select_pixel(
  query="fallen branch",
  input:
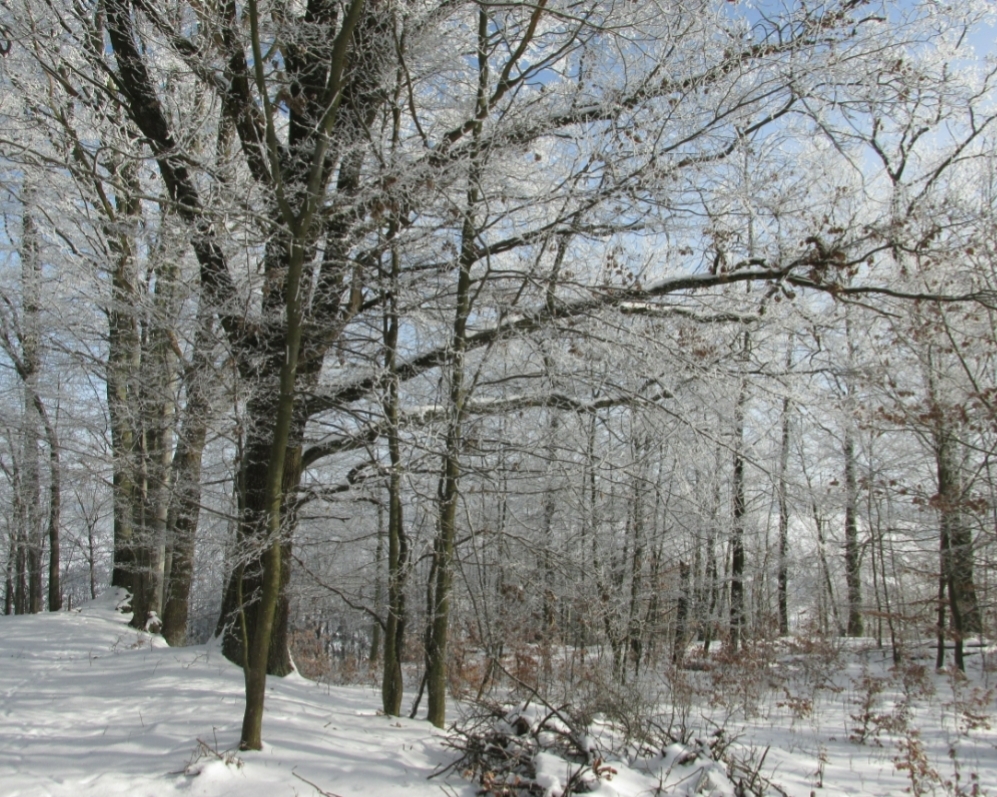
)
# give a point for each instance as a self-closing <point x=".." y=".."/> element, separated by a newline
<point x="319" y="790"/>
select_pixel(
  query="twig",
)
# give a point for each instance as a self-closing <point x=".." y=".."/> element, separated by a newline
<point x="572" y="734"/>
<point x="320" y="791"/>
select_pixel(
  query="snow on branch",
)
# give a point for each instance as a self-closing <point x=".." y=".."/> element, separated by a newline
<point x="486" y="406"/>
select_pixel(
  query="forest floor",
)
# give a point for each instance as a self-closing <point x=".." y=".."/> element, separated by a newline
<point x="89" y="706"/>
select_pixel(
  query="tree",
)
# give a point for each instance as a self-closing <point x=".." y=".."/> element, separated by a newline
<point x="386" y="203"/>
<point x="21" y="340"/>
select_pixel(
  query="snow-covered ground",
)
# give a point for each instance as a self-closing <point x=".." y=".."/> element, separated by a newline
<point x="89" y="706"/>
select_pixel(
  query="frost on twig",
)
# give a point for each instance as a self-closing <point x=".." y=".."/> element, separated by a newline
<point x="524" y="750"/>
<point x="206" y="753"/>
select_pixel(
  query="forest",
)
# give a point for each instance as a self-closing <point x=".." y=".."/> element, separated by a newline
<point x="461" y="343"/>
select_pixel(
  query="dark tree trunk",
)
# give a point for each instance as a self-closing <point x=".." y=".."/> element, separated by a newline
<point x="8" y="580"/>
<point x="682" y="613"/>
<point x="54" y="512"/>
<point x="240" y="608"/>
<point x="19" y="545"/>
<point x="956" y="544"/>
<point x="392" y="683"/>
<point x="940" y="608"/>
<point x="782" y="577"/>
<point x="853" y="553"/>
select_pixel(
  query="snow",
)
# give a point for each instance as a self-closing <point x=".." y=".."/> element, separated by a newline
<point x="90" y="706"/>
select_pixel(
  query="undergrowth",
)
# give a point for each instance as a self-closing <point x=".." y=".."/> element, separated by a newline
<point x="686" y="723"/>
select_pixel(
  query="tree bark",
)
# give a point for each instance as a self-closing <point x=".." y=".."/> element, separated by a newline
<point x="392" y="683"/>
<point x="853" y="550"/>
<point x="682" y="613"/>
<point x="185" y="505"/>
<point x="853" y="553"/>
<point x="8" y="576"/>
<point x="27" y="368"/>
<point x="635" y="628"/>
<point x="157" y="409"/>
<point x="123" y="360"/>
<point x="449" y="483"/>
<point x="737" y="529"/>
<point x="449" y="489"/>
<point x="711" y="587"/>
<point x="782" y="577"/>
<point x="956" y="543"/>
<point x="54" y="510"/>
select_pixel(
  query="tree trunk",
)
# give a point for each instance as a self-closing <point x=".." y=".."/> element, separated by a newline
<point x="782" y="577"/>
<point x="157" y="408"/>
<point x="682" y="613"/>
<point x="185" y="506"/>
<point x="240" y="608"/>
<point x="737" y="525"/>
<point x="449" y="485"/>
<point x="853" y="551"/>
<point x="8" y="573"/>
<point x="940" y="605"/>
<point x="274" y="485"/>
<point x="853" y="554"/>
<point x="123" y="361"/>
<point x="374" y="652"/>
<point x="548" y="628"/>
<point x="447" y="496"/>
<point x="19" y="543"/>
<point x="826" y="575"/>
<point x="54" y="509"/>
<point x="635" y="628"/>
<point x="956" y="543"/>
<point x="392" y="683"/>
<point x="711" y="577"/>
<point x="27" y="368"/>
